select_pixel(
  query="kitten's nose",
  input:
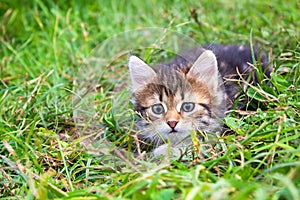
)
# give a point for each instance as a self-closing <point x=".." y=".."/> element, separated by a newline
<point x="172" y="124"/>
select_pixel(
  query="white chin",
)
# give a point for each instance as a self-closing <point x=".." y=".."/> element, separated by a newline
<point x="177" y="136"/>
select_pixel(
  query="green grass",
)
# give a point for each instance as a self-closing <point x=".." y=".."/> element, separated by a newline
<point x="43" y="49"/>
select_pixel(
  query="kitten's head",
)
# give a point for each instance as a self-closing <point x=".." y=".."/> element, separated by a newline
<point x="173" y="99"/>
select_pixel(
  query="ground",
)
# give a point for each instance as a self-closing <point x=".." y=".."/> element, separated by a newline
<point x="44" y="45"/>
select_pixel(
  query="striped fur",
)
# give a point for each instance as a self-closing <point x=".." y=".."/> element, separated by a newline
<point x="164" y="94"/>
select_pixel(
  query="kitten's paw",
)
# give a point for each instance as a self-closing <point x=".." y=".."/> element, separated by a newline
<point x="167" y="150"/>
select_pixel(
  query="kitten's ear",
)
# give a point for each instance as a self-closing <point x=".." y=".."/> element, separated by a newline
<point x="140" y="72"/>
<point x="205" y="69"/>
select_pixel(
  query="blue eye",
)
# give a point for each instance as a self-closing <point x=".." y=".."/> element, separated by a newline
<point x="187" y="107"/>
<point x="158" y="109"/>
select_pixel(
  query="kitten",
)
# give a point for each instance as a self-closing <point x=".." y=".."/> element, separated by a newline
<point x="178" y="97"/>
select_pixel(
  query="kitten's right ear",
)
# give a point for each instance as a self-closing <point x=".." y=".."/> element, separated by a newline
<point x="140" y="73"/>
<point x="205" y="69"/>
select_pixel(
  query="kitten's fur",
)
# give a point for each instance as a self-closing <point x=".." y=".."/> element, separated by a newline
<point x="178" y="97"/>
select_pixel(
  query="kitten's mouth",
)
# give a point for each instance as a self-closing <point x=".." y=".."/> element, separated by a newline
<point x="173" y="131"/>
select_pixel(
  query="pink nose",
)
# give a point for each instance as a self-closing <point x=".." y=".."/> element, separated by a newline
<point x="172" y="124"/>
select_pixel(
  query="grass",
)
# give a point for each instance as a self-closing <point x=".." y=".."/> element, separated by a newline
<point x="44" y="47"/>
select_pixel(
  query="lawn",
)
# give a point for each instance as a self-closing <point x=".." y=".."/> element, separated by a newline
<point x="53" y="147"/>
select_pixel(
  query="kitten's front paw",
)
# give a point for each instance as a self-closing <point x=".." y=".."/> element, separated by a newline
<point x="167" y="150"/>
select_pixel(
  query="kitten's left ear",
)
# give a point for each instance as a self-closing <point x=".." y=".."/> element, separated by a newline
<point x="140" y="73"/>
<point x="205" y="69"/>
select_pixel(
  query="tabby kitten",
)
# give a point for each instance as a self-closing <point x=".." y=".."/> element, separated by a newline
<point x="176" y="98"/>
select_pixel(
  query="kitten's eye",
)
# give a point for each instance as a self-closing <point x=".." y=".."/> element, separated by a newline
<point x="158" y="109"/>
<point x="187" y="107"/>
